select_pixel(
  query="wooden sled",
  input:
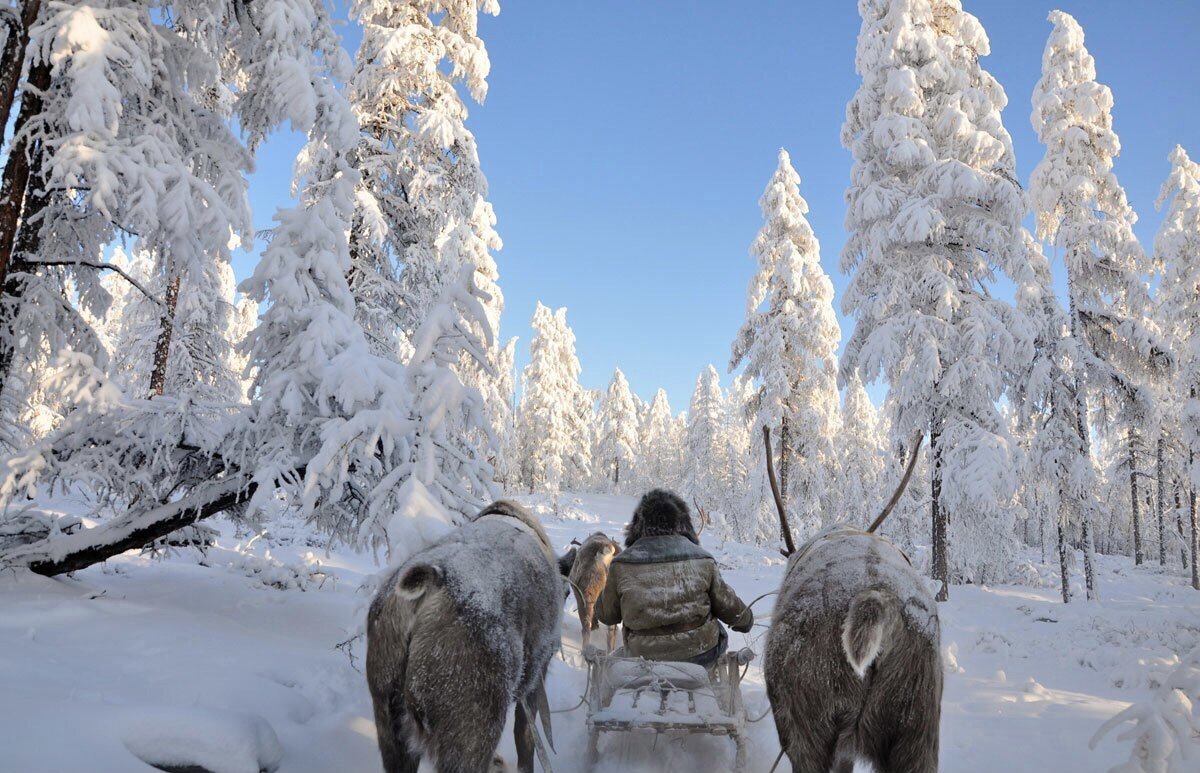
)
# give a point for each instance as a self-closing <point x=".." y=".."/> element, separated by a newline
<point x="637" y="695"/>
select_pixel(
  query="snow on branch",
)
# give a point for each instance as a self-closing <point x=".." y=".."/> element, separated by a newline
<point x="1165" y="729"/>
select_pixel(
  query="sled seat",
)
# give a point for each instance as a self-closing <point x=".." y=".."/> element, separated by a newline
<point x="633" y="672"/>
<point x="636" y="695"/>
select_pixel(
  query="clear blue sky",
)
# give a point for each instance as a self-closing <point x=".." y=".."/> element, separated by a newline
<point x="626" y="144"/>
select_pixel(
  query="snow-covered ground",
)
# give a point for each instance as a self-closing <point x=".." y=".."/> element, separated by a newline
<point x="190" y="660"/>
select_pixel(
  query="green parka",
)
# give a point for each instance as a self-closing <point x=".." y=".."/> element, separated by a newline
<point x="669" y="595"/>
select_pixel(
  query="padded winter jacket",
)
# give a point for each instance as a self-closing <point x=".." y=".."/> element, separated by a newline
<point x="669" y="595"/>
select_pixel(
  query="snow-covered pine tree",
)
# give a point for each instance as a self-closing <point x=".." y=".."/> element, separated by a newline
<point x="424" y="231"/>
<point x="549" y="417"/>
<point x="1177" y="248"/>
<point x="706" y="478"/>
<point x="615" y="458"/>
<point x="1060" y="479"/>
<point x="739" y="505"/>
<point x="934" y="213"/>
<point x="861" y="471"/>
<point x="788" y="345"/>
<point x="660" y="454"/>
<point x="332" y="425"/>
<point x="122" y="138"/>
<point x="1082" y="209"/>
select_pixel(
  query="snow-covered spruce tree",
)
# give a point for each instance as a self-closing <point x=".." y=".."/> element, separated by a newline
<point x="423" y="217"/>
<point x="122" y="138"/>
<point x="616" y="449"/>
<point x="934" y="213"/>
<point x="788" y="345"/>
<point x="1060" y="479"/>
<point x="706" y="478"/>
<point x="740" y="520"/>
<point x="332" y="425"/>
<point x="660" y="454"/>
<point x="861" y="471"/>
<point x="549" y="418"/>
<point x="1082" y="209"/>
<point x="1177" y="248"/>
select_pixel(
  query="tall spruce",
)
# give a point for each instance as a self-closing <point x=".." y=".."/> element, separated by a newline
<point x="1178" y="248"/>
<point x="934" y="213"/>
<point x="1082" y="210"/>
<point x="788" y="345"/>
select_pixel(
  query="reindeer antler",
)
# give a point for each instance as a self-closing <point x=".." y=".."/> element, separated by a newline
<point x="908" y="471"/>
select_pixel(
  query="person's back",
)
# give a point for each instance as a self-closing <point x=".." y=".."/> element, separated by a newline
<point x="667" y="591"/>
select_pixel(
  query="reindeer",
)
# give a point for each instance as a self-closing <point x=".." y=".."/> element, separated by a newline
<point x="459" y="633"/>
<point x="852" y="665"/>
<point x="588" y="574"/>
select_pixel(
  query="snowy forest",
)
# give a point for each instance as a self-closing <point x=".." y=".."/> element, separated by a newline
<point x="354" y="398"/>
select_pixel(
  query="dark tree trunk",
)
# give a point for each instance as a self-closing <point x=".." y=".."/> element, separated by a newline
<point x="15" y="44"/>
<point x="1064" y="560"/>
<point x="20" y="203"/>
<point x="938" y="514"/>
<point x="1160" y="505"/>
<point x="162" y="348"/>
<point x="784" y="459"/>
<point x="1085" y="441"/>
<point x="1183" y="553"/>
<point x="1089" y="548"/>
<point x="15" y="183"/>
<point x="617" y="471"/>
<point x="1135" y="501"/>
<point x="1195" y="524"/>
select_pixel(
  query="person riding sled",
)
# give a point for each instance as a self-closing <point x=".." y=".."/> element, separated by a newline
<point x="667" y="590"/>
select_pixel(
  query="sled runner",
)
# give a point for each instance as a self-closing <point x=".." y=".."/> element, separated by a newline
<point x="632" y="694"/>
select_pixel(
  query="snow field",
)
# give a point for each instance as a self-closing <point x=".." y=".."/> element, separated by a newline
<point x="175" y="662"/>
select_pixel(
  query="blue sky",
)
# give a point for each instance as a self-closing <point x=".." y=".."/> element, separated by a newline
<point x="626" y="144"/>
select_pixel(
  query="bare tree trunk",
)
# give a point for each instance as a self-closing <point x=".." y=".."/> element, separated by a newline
<point x="1160" y="506"/>
<point x="1064" y="560"/>
<point x="1085" y="440"/>
<point x="1195" y="523"/>
<point x="784" y="459"/>
<point x="1134" y="500"/>
<point x="15" y="182"/>
<point x="938" y="514"/>
<point x="162" y="348"/>
<point x="15" y="43"/>
<point x="1183" y="553"/>
<point x="19" y="204"/>
<point x="1089" y="547"/>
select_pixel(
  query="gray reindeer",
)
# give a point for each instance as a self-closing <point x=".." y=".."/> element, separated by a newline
<point x="852" y="661"/>
<point x="456" y="635"/>
<point x="589" y="573"/>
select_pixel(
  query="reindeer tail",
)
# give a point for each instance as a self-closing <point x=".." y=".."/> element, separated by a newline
<point x="870" y="621"/>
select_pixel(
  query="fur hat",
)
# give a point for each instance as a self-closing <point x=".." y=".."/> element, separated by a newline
<point x="660" y="513"/>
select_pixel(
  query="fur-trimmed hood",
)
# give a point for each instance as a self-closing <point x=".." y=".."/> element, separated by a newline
<point x="660" y="513"/>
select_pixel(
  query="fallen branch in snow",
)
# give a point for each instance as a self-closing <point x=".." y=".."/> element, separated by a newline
<point x="1166" y="728"/>
<point x="80" y="550"/>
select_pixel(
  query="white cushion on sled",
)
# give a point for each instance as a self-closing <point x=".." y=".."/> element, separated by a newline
<point x="635" y="672"/>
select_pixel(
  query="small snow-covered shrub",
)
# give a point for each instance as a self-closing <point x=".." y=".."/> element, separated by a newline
<point x="276" y="574"/>
<point x="1165" y="729"/>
